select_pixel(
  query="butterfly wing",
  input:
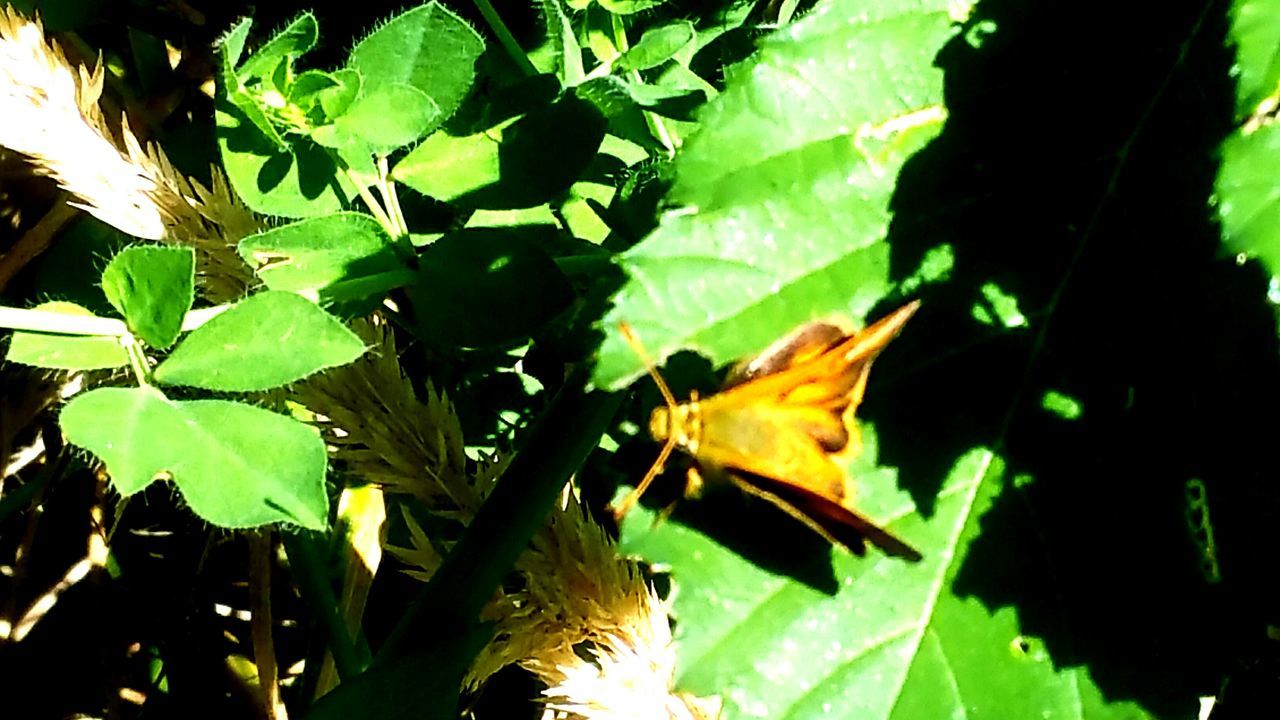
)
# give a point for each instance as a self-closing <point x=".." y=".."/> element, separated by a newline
<point x="840" y="525"/>
<point x="804" y="343"/>
<point x="772" y="441"/>
<point x="820" y="377"/>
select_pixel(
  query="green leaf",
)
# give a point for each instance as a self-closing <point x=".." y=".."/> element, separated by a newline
<point x="429" y="48"/>
<point x="265" y="341"/>
<point x="446" y="167"/>
<point x="66" y="352"/>
<point x="1246" y="191"/>
<point x="248" y="109"/>
<point x="237" y="465"/>
<point x="629" y="7"/>
<point x="153" y="288"/>
<point x="777" y="632"/>
<point x="561" y="35"/>
<point x="298" y="182"/>
<point x="262" y="467"/>
<point x="486" y="286"/>
<point x="657" y="46"/>
<point x="310" y="257"/>
<point x="334" y="101"/>
<point x="295" y="39"/>
<point x="1255" y="31"/>
<point x="293" y="179"/>
<point x="231" y="45"/>
<point x="617" y="97"/>
<point x="786" y="210"/>
<point x="390" y="116"/>
<point x="519" y="165"/>
<point x="1248" y="195"/>
<point x="308" y="87"/>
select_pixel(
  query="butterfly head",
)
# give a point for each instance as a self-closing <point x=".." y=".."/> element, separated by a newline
<point x="681" y="424"/>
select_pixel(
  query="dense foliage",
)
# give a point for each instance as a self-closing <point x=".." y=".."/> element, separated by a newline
<point x="366" y="292"/>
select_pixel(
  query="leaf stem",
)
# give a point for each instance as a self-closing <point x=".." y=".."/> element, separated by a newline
<point x="370" y="201"/>
<point x="264" y="651"/>
<point x="389" y="199"/>
<point x="60" y="323"/>
<point x="656" y="124"/>
<point x="137" y="360"/>
<point x="307" y="565"/>
<point x="505" y="38"/>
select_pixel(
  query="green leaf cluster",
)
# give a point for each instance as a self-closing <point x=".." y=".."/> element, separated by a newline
<point x="712" y="177"/>
<point x="236" y="465"/>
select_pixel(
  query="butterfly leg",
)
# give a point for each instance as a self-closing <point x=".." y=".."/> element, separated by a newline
<point x="693" y="483"/>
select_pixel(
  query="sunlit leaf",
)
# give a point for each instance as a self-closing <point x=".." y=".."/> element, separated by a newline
<point x="270" y="339"/>
<point x="236" y="465"/>
<point x="153" y="288"/>
<point x="784" y="212"/>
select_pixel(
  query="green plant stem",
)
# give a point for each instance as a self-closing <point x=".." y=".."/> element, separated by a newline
<point x="375" y="208"/>
<point x="370" y="285"/>
<point x="556" y="447"/>
<point x="306" y="564"/>
<point x="260" y="629"/>
<point x="440" y="634"/>
<point x="60" y="323"/>
<point x="389" y="199"/>
<point x="57" y="323"/>
<point x="654" y="121"/>
<point x="505" y="38"/>
<point x="137" y="360"/>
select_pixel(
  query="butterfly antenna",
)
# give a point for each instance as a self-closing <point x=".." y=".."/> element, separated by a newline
<point x="630" y="500"/>
<point x="630" y="336"/>
<point x="632" y="497"/>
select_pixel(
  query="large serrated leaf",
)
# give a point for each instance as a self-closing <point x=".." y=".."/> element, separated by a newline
<point x="1248" y="195"/>
<point x="1255" y="31"/>
<point x="153" y="288"/>
<point x="869" y="638"/>
<point x="237" y="465"/>
<point x="1247" y="191"/>
<point x="1078" y="581"/>
<point x="66" y="352"/>
<point x="429" y="48"/>
<point x="268" y="340"/>
<point x="787" y="210"/>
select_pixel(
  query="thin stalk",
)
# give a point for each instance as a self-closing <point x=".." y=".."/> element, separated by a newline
<point x="556" y="447"/>
<point x="264" y="650"/>
<point x="307" y="565"/>
<point x="60" y="323"/>
<point x="137" y="360"/>
<point x="56" y="323"/>
<point x="505" y="38"/>
<point x="388" y="192"/>
<point x="655" y="122"/>
<point x="440" y="633"/>
<point x="375" y="208"/>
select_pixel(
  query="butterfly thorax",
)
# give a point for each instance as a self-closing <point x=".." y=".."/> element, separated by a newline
<point x="682" y="423"/>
